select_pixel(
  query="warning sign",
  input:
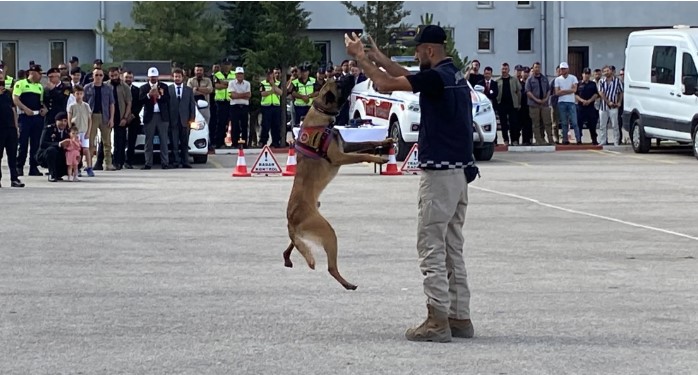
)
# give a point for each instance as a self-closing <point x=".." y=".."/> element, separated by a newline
<point x="266" y="163"/>
<point x="411" y="163"/>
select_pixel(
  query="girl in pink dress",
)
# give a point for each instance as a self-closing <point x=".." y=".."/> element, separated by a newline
<point x="72" y="154"/>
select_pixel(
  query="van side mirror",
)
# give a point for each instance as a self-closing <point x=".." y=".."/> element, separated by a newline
<point x="201" y="104"/>
<point x="690" y="84"/>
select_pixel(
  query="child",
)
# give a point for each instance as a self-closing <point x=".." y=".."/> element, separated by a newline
<point x="80" y="115"/>
<point x="72" y="154"/>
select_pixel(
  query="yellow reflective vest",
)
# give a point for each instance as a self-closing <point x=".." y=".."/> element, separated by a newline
<point x="271" y="99"/>
<point x="304" y="89"/>
<point x="222" y="94"/>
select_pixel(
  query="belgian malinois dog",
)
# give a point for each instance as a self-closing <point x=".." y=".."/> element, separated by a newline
<point x="321" y="152"/>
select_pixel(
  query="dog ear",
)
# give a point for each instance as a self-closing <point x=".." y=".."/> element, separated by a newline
<point x="330" y="98"/>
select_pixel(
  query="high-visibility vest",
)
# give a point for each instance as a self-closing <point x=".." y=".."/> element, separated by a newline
<point x="271" y="99"/>
<point x="8" y="82"/>
<point x="304" y="89"/>
<point x="222" y="94"/>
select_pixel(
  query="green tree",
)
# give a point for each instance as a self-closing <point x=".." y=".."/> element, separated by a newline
<point x="281" y="44"/>
<point x="380" y="19"/>
<point x="243" y="21"/>
<point x="185" y="32"/>
<point x="451" y="51"/>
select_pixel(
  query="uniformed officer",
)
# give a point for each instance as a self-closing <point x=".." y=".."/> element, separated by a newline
<point x="28" y="96"/>
<point x="8" y="132"/>
<point x="446" y="159"/>
<point x="57" y="95"/>
<point x="271" y="109"/>
<point x="587" y="93"/>
<point x="52" y="152"/>
<point x="8" y="78"/>
<point x="302" y="89"/>
<point x="221" y="80"/>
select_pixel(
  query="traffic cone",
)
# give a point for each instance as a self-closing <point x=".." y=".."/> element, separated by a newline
<point x="241" y="167"/>
<point x="391" y="169"/>
<point x="228" y="137"/>
<point x="290" y="162"/>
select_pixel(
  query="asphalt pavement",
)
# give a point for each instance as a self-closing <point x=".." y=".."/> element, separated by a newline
<point x="580" y="262"/>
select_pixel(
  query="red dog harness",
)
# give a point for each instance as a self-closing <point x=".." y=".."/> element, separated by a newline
<point x="314" y="142"/>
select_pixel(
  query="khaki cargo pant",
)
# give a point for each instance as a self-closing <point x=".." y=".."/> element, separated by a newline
<point x="105" y="135"/>
<point x="443" y="199"/>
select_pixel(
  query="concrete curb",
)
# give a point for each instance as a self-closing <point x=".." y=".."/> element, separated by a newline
<point x="531" y="149"/>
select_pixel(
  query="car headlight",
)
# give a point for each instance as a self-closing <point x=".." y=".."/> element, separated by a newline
<point x="196" y="125"/>
<point x="414" y="107"/>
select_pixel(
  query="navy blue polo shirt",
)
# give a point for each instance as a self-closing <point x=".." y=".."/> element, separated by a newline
<point x="7" y="111"/>
<point x="586" y="90"/>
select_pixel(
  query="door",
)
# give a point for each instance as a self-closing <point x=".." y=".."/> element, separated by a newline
<point x="661" y="105"/>
<point x="687" y="103"/>
<point x="578" y="59"/>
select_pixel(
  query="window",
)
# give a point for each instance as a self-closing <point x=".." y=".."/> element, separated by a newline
<point x="524" y="4"/>
<point x="485" y="40"/>
<point x="324" y="48"/>
<point x="56" y="52"/>
<point x="525" y="40"/>
<point x="485" y="4"/>
<point x="8" y="54"/>
<point x="688" y="67"/>
<point x="663" y="65"/>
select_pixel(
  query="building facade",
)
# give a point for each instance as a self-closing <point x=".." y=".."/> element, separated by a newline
<point x="518" y="32"/>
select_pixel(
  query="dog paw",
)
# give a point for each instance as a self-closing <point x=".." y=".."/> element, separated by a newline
<point x="288" y="263"/>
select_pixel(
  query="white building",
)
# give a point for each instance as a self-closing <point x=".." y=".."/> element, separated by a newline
<point x="583" y="33"/>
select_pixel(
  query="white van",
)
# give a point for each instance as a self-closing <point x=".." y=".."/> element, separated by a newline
<point x="660" y="84"/>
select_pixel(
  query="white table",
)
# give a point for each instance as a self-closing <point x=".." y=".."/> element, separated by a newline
<point x="368" y="134"/>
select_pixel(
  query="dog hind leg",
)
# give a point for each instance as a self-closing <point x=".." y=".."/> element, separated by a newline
<point x="304" y="246"/>
<point x="287" y="256"/>
<point x="330" y="244"/>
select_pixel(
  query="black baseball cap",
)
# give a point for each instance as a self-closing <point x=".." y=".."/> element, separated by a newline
<point x="526" y="69"/>
<point x="74" y="59"/>
<point x="61" y="116"/>
<point x="432" y="34"/>
<point x="586" y="71"/>
<point x="98" y="62"/>
<point x="35" y="68"/>
<point x="53" y="70"/>
<point x="519" y="67"/>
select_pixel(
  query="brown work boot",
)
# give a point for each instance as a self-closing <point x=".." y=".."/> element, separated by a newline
<point x="435" y="328"/>
<point x="461" y="328"/>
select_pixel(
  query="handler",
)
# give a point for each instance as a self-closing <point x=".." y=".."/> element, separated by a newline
<point x="446" y="159"/>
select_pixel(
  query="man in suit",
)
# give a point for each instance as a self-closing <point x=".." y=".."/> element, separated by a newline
<point x="491" y="88"/>
<point x="358" y="75"/>
<point x="155" y="97"/>
<point x="134" y="121"/>
<point x="51" y="153"/>
<point x="182" y="113"/>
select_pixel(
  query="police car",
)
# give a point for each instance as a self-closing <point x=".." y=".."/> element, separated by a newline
<point x="198" y="135"/>
<point x="399" y="112"/>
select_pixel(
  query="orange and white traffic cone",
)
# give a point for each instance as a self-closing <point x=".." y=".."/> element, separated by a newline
<point x="290" y="162"/>
<point x="241" y="167"/>
<point x="228" y="137"/>
<point x="391" y="168"/>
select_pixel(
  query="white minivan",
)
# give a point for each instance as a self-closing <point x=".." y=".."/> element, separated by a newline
<point x="661" y="82"/>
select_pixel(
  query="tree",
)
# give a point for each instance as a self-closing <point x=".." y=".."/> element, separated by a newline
<point x="380" y="19"/>
<point x="182" y="31"/>
<point x="242" y="19"/>
<point x="280" y="44"/>
<point x="451" y="51"/>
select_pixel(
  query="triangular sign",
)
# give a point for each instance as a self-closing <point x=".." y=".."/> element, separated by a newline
<point x="411" y="163"/>
<point x="266" y="163"/>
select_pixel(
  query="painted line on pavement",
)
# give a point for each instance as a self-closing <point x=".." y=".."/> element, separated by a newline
<point x="615" y="153"/>
<point x="582" y="213"/>
<point x="215" y="163"/>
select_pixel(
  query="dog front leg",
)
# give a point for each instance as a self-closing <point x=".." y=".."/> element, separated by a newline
<point x="354" y="158"/>
<point x="360" y="147"/>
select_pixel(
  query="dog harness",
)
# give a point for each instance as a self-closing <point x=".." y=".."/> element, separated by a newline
<point x="314" y="142"/>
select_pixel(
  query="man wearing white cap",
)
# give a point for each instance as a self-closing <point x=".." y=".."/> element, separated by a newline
<point x="155" y="97"/>
<point x="240" y="92"/>
<point x="565" y="89"/>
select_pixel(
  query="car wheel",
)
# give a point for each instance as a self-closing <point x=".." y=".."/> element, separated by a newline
<point x="485" y="152"/>
<point x="695" y="142"/>
<point x="401" y="148"/>
<point x="200" y="159"/>
<point x="641" y="144"/>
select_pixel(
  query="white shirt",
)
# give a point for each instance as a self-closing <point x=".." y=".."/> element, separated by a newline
<point x="240" y="88"/>
<point x="566" y="84"/>
<point x="179" y="90"/>
<point x="156" y="107"/>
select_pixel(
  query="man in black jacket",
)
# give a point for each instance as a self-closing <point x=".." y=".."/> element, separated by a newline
<point x="155" y="97"/>
<point x="134" y="124"/>
<point x="51" y="153"/>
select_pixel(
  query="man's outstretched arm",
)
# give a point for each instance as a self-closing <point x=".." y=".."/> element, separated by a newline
<point x="383" y="81"/>
<point x="383" y="61"/>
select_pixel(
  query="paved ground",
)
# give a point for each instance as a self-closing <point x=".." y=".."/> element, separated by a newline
<point x="579" y="262"/>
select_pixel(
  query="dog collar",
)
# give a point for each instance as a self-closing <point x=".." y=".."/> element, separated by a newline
<point x="325" y="112"/>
